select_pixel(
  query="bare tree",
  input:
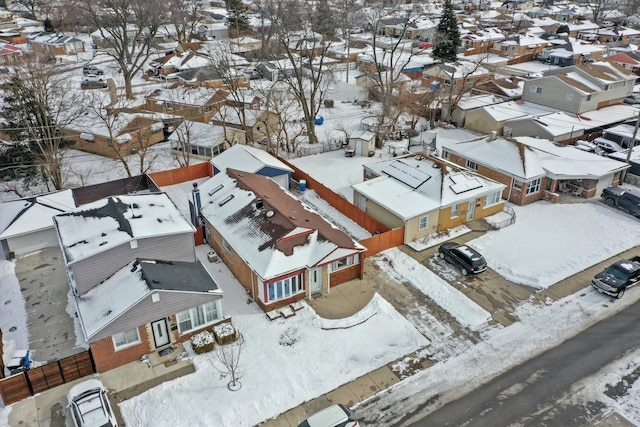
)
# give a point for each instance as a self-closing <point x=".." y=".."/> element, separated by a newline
<point x="32" y="6"/>
<point x="130" y="136"/>
<point x="228" y="355"/>
<point x="390" y="57"/>
<point x="282" y="104"/>
<point x="38" y="104"/>
<point x="305" y="51"/>
<point x="127" y="28"/>
<point x="600" y="9"/>
<point x="185" y="17"/>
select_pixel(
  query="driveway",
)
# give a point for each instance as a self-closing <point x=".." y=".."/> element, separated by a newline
<point x="45" y="288"/>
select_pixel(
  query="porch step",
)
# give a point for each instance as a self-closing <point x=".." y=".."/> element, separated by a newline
<point x="285" y="312"/>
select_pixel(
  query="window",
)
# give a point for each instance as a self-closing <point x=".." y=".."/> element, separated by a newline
<point x="538" y="89"/>
<point x="607" y="87"/>
<point x="226" y="246"/>
<point x="517" y="184"/>
<point x="169" y="105"/>
<point x="284" y="288"/>
<point x="569" y="97"/>
<point x="344" y="262"/>
<point x="492" y="198"/>
<point x="198" y="317"/>
<point x="423" y="223"/>
<point x="126" y="339"/>
<point x="472" y="165"/>
<point x="588" y="97"/>
<point x="534" y="186"/>
<point x="446" y="155"/>
<point x="455" y="210"/>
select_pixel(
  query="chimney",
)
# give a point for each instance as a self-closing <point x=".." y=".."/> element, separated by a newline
<point x="196" y="205"/>
<point x="492" y="136"/>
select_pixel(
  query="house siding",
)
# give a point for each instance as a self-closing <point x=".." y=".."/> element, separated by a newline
<point x="106" y="357"/>
<point x="147" y="311"/>
<point x="411" y="231"/>
<point x="554" y="93"/>
<point x="379" y="213"/>
<point x="91" y="271"/>
<point x="236" y="264"/>
<point x="33" y="241"/>
<point x="480" y="121"/>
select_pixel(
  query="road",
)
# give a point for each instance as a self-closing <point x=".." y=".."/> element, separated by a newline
<point x="531" y="394"/>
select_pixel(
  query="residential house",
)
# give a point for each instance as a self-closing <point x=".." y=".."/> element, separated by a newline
<point x="195" y="103"/>
<point x="492" y="118"/>
<point x="114" y="135"/>
<point x="200" y="140"/>
<point x="460" y="75"/>
<point x="277" y="69"/>
<point x="628" y="60"/>
<point x="244" y="125"/>
<point x="254" y="160"/>
<point x="47" y="44"/>
<point x="509" y="89"/>
<point x="9" y="53"/>
<point x="520" y="46"/>
<point x="425" y="195"/>
<point x="466" y="104"/>
<point x="580" y="88"/>
<point x="611" y="37"/>
<point x="573" y="52"/>
<point x="211" y="77"/>
<point x="533" y="169"/>
<point x="137" y="285"/>
<point x="26" y="225"/>
<point x="480" y="41"/>
<point x="279" y="249"/>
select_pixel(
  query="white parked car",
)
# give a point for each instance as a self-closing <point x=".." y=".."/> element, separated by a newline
<point x="89" y="405"/>
<point x="607" y="146"/>
<point x="333" y="416"/>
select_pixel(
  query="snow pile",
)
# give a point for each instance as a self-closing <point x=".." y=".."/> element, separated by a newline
<point x="13" y="314"/>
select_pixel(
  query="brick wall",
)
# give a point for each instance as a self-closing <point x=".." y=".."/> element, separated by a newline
<point x="345" y="274"/>
<point x="106" y="357"/>
<point x="231" y="259"/>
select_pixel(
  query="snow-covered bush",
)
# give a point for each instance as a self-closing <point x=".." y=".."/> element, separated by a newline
<point x="202" y="342"/>
<point x="225" y="333"/>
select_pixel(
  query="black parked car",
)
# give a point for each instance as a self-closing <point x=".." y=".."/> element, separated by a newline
<point x="465" y="257"/>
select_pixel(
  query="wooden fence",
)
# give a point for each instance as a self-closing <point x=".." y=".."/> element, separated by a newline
<point x="383" y="238"/>
<point x="41" y="378"/>
<point x="178" y="175"/>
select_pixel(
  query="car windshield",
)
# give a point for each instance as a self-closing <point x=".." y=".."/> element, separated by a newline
<point x="91" y="409"/>
<point x="618" y="272"/>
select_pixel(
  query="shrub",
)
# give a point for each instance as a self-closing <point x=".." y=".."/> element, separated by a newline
<point x="225" y="333"/>
<point x="202" y="342"/>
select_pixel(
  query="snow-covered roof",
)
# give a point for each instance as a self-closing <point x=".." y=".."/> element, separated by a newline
<point x="187" y="95"/>
<point x="25" y="216"/>
<point x="233" y="115"/>
<point x="268" y="227"/>
<point x="436" y="182"/>
<point x="197" y="133"/>
<point x="109" y="300"/>
<point x="514" y="109"/>
<point x="111" y="125"/>
<point x="248" y="159"/>
<point x="528" y="158"/>
<point x="110" y="222"/>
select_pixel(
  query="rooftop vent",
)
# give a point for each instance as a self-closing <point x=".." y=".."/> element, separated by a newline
<point x="269" y="214"/>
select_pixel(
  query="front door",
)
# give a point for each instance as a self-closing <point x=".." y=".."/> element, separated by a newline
<point x="315" y="279"/>
<point x="472" y="209"/>
<point x="160" y="333"/>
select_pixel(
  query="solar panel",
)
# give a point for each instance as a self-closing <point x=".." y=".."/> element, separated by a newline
<point x="463" y="183"/>
<point x="408" y="174"/>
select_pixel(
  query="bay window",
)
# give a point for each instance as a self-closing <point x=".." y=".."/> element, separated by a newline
<point x="198" y="317"/>
<point x="284" y="288"/>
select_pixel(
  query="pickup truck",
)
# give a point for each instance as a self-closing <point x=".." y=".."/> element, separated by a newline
<point x="623" y="198"/>
<point x="616" y="278"/>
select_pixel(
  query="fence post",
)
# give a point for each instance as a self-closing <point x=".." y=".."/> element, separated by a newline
<point x="61" y="371"/>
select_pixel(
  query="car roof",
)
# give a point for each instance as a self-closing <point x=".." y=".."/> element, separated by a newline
<point x="328" y="417"/>
<point x="468" y="251"/>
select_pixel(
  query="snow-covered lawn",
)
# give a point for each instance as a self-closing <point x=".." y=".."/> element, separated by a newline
<point x="550" y="242"/>
<point x="284" y="363"/>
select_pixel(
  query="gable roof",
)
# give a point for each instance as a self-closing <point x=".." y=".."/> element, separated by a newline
<point x="115" y="220"/>
<point x="528" y="158"/>
<point x="270" y="229"/>
<point x="18" y="217"/>
<point x="248" y="159"/>
<point x="121" y="292"/>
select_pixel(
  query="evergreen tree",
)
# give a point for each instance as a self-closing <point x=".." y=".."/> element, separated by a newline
<point x="447" y="37"/>
<point x="48" y="26"/>
<point x="237" y="16"/>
